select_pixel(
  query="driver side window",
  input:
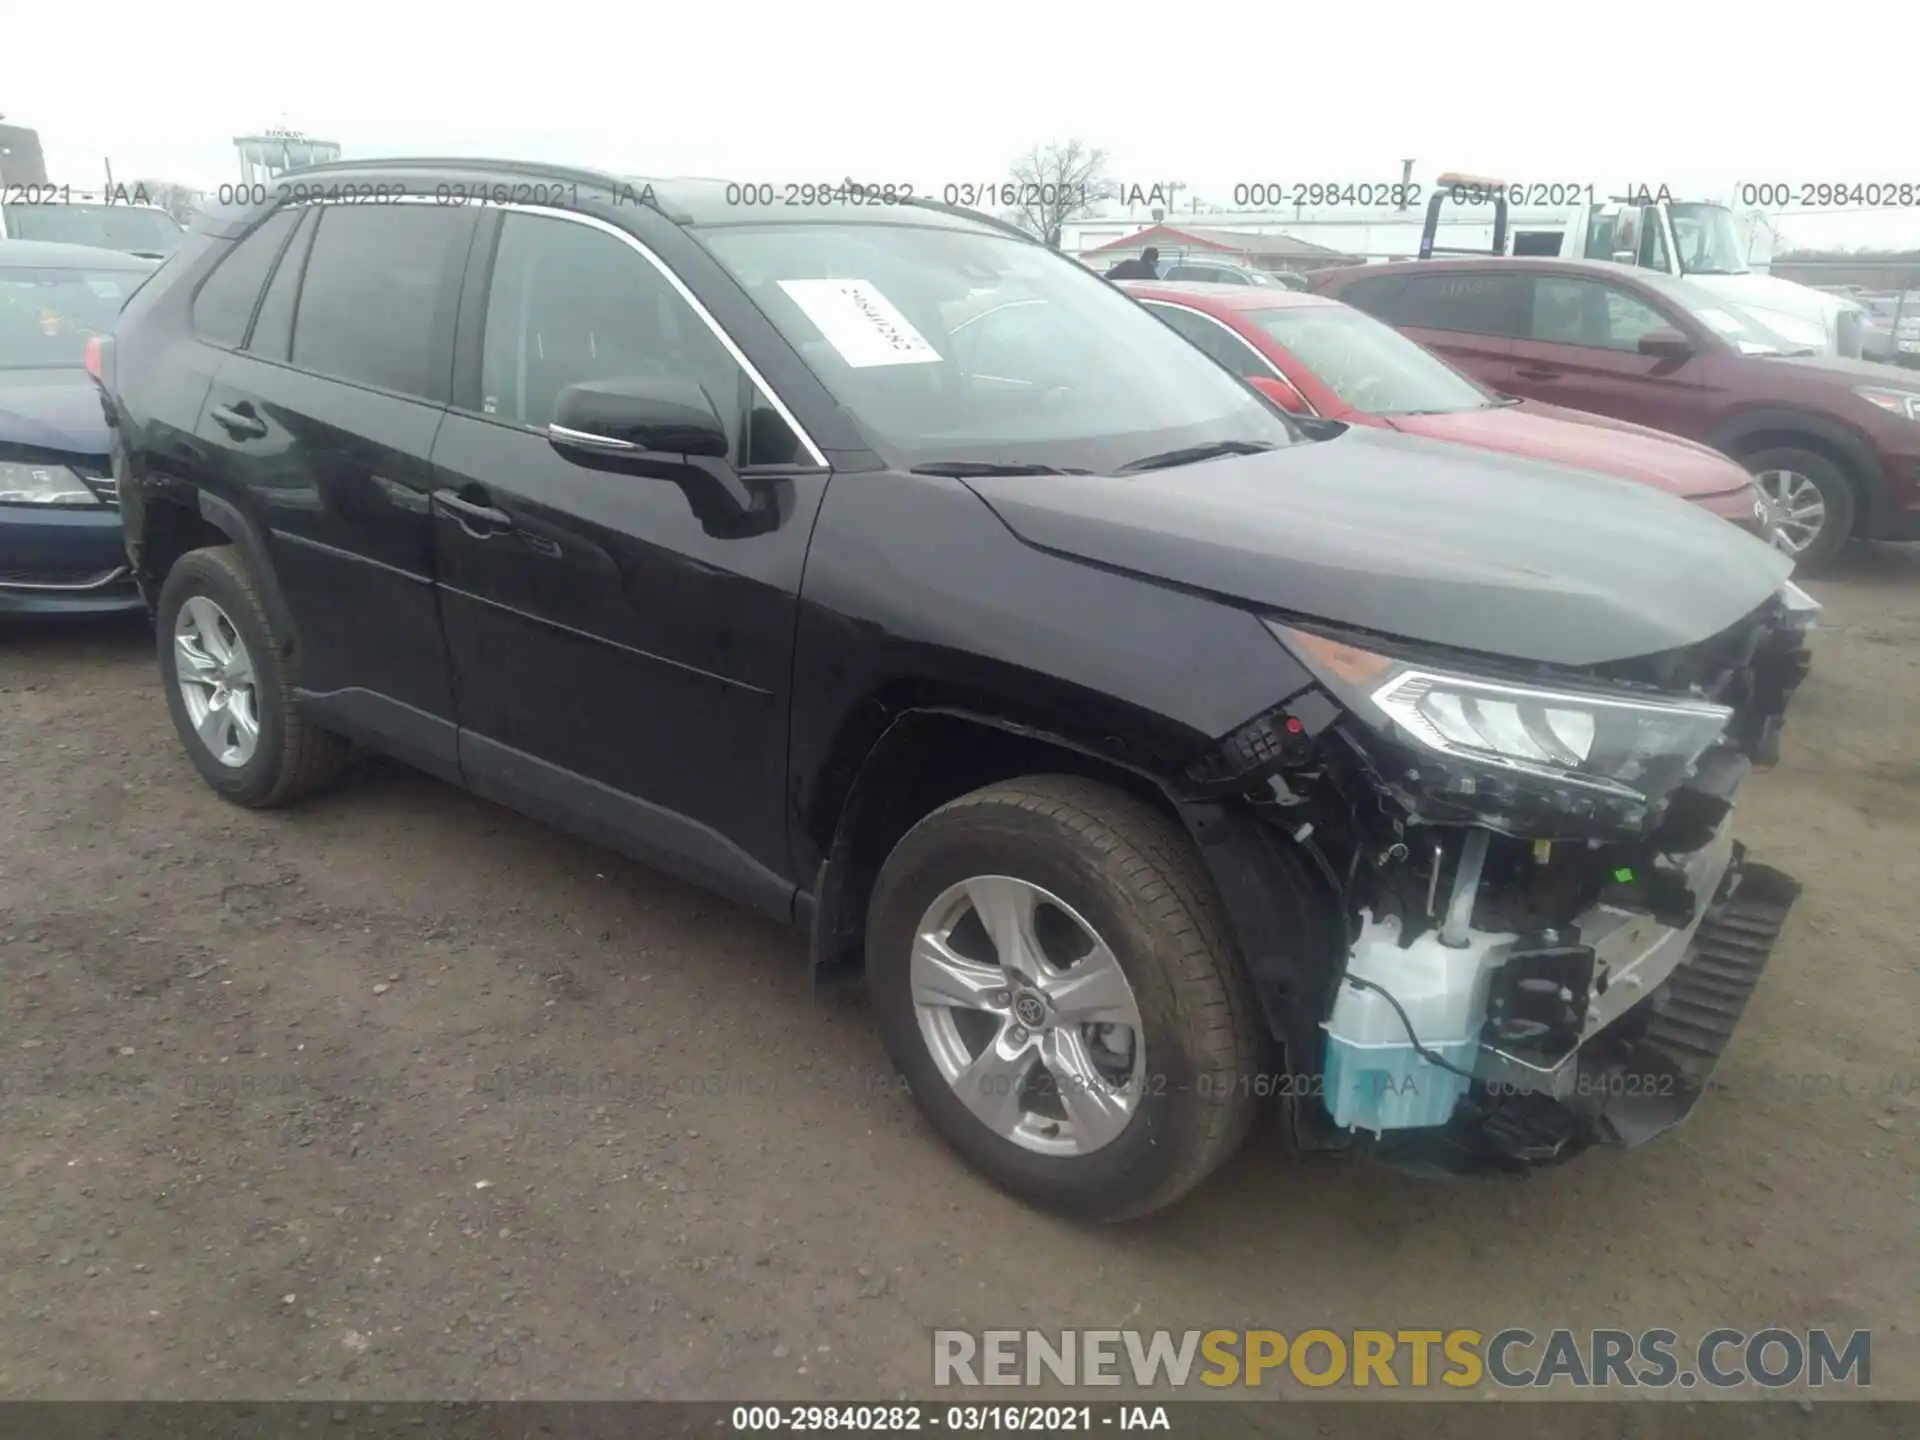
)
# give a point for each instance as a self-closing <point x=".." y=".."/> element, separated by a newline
<point x="1587" y="313"/>
<point x="568" y="304"/>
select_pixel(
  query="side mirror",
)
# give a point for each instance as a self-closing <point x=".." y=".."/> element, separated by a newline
<point x="1281" y="393"/>
<point x="1666" y="344"/>
<point x="630" y="417"/>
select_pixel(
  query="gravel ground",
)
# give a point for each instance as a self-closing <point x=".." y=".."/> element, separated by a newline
<point x="400" y="1095"/>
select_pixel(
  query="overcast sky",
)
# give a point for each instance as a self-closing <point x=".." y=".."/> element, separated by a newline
<point x="1696" y="96"/>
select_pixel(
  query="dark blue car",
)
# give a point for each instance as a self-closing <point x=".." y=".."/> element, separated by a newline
<point x="61" y="550"/>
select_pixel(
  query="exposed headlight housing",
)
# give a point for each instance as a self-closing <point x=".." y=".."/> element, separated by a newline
<point x="1628" y="748"/>
<point x="32" y="484"/>
<point x="1496" y="749"/>
<point x="1905" y="403"/>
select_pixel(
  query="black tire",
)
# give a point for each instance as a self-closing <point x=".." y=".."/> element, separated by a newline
<point x="1134" y="875"/>
<point x="293" y="758"/>
<point x="1836" y="491"/>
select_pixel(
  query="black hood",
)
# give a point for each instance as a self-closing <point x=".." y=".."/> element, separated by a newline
<point x="1417" y="539"/>
<point x="52" y="410"/>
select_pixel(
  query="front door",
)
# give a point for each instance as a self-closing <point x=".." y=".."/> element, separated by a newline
<point x="621" y="638"/>
<point x="1581" y="349"/>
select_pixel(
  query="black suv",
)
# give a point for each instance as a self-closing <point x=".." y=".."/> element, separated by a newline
<point x="1150" y="753"/>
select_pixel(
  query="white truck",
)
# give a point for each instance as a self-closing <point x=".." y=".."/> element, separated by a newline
<point x="1704" y="242"/>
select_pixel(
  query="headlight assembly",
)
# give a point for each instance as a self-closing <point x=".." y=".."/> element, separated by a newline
<point x="1627" y="748"/>
<point x="22" y="484"/>
<point x="1490" y="745"/>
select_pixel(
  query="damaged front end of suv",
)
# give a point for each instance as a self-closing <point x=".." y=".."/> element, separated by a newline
<point x="1542" y="930"/>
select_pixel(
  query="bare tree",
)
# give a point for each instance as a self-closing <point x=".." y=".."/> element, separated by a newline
<point x="1053" y="183"/>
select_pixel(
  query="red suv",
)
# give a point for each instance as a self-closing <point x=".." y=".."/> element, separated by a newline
<point x="1318" y="357"/>
<point x="1835" y="443"/>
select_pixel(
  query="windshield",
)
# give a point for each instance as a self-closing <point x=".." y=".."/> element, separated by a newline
<point x="46" y="316"/>
<point x="952" y="345"/>
<point x="1709" y="240"/>
<point x="1371" y="366"/>
<point x="111" y="227"/>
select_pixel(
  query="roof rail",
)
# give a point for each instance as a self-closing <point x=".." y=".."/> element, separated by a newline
<point x="605" y="179"/>
<point x="927" y="202"/>
<point x="461" y="162"/>
<point x="608" y="180"/>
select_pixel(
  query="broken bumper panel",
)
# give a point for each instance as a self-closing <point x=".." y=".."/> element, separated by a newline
<point x="1637" y="1076"/>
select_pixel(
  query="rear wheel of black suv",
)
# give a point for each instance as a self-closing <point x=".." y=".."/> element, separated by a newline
<point x="1054" y="977"/>
<point x="229" y="689"/>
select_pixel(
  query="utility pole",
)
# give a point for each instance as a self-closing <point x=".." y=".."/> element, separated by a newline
<point x="1406" y="182"/>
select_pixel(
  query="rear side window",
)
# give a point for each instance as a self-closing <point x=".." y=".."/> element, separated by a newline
<point x="1374" y="294"/>
<point x="224" y="306"/>
<point x="1476" y="304"/>
<point x="273" y="326"/>
<point x="375" y="307"/>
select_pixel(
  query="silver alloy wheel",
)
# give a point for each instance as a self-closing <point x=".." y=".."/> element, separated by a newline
<point x="1799" y="509"/>
<point x="1028" y="1015"/>
<point x="216" y="681"/>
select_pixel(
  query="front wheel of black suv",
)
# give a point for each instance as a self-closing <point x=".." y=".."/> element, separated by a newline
<point x="229" y="689"/>
<point x="1053" y="975"/>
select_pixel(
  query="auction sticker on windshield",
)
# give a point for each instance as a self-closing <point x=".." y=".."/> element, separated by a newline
<point x="861" y="323"/>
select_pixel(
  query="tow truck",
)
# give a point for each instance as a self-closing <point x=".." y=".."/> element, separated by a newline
<point x="1698" y="240"/>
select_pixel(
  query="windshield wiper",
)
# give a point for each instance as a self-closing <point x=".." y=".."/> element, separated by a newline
<point x="1193" y="453"/>
<point x="975" y="469"/>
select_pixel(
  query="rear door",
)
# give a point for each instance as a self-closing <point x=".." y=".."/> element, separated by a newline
<point x="1468" y="316"/>
<point x="323" y="425"/>
<point x="1580" y="349"/>
<point x="622" y="639"/>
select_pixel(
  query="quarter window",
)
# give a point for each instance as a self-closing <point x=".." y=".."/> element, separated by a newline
<point x="224" y="307"/>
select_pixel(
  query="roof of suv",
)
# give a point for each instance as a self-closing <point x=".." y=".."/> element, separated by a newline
<point x="686" y="200"/>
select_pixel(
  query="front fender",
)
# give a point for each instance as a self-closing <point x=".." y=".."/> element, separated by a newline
<point x="1855" y="448"/>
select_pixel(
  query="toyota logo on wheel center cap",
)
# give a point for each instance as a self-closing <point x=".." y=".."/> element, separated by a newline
<point x="1030" y="1010"/>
